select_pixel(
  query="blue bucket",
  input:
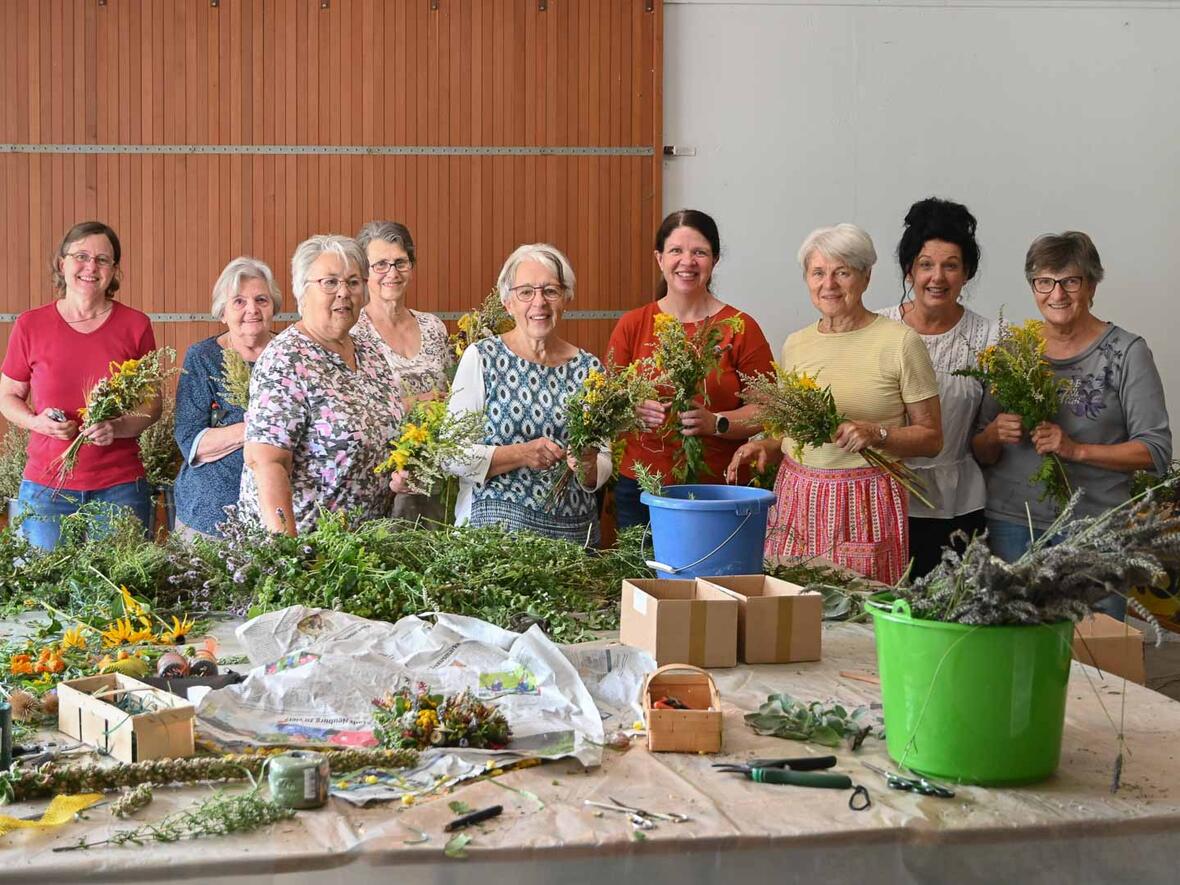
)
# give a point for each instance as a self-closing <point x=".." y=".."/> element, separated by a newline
<point x="708" y="530"/>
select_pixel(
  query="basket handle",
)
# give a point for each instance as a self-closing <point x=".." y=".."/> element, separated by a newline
<point x="670" y="667"/>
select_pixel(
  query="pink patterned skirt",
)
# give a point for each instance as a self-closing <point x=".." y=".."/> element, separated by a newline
<point x="857" y="517"/>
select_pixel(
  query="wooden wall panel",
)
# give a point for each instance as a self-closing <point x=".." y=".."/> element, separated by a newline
<point x="257" y="73"/>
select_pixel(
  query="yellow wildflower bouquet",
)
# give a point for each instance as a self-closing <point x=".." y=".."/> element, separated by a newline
<point x="599" y="413"/>
<point x="235" y="378"/>
<point x="681" y="363"/>
<point x="793" y="405"/>
<point x="1017" y="375"/>
<point x="429" y="438"/>
<point x="130" y="385"/>
<point x="488" y="320"/>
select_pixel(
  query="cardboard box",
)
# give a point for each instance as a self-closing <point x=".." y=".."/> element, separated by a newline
<point x="680" y="621"/>
<point x="1110" y="645"/>
<point x="695" y="730"/>
<point x="87" y="712"/>
<point x="778" y="622"/>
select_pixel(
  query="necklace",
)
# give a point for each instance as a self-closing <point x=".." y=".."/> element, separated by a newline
<point x="110" y="307"/>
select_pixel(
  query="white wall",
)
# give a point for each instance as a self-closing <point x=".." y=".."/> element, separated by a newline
<point x="1038" y="116"/>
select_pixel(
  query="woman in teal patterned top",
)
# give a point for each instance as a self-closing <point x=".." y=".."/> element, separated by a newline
<point x="522" y="380"/>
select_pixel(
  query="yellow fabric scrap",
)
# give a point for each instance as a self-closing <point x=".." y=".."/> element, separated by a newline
<point x="60" y="811"/>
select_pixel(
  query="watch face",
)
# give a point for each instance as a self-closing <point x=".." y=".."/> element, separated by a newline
<point x="722" y="424"/>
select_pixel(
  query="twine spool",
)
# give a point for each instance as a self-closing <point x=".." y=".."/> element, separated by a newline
<point x="172" y="665"/>
<point x="299" y="779"/>
<point x="203" y="663"/>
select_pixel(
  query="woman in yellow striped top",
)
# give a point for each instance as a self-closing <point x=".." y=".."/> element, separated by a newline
<point x="834" y="503"/>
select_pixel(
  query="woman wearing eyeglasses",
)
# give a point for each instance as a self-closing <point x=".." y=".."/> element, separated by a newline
<point x="322" y="405"/>
<point x="413" y="342"/>
<point x="56" y="353"/>
<point x="1113" y="422"/>
<point x="522" y="380"/>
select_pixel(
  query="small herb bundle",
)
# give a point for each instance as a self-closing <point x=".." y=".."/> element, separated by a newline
<point x="14" y="454"/>
<point x="487" y="321"/>
<point x="604" y="409"/>
<point x="130" y="385"/>
<point x="1017" y="375"/>
<point x="784" y="716"/>
<point x="793" y="405"/>
<point x="416" y="719"/>
<point x="1166" y="490"/>
<point x="131" y="801"/>
<point x="652" y="483"/>
<point x="1073" y="566"/>
<point x="682" y="363"/>
<point x="235" y="378"/>
<point x="430" y="438"/>
<point x="158" y="451"/>
<point x="218" y="815"/>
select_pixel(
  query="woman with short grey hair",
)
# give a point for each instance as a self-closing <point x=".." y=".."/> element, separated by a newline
<point x="521" y="380"/>
<point x="322" y="405"/>
<point x="210" y="426"/>
<point x="1112" y="423"/>
<point x="832" y="502"/>
<point x="413" y="342"/>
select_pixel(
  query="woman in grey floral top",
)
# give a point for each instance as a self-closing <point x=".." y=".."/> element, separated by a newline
<point x="413" y="342"/>
<point x="522" y="380"/>
<point x="1112" y="423"/>
<point x="322" y="405"/>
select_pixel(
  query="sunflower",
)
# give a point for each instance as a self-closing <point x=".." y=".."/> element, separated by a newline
<point x="74" y="638"/>
<point x="179" y="631"/>
<point x="122" y="632"/>
<point x="132" y="607"/>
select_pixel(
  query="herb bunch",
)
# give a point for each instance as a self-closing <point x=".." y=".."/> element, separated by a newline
<point x="1017" y="375"/>
<point x="1077" y="563"/>
<point x="415" y="719"/>
<point x="681" y="363"/>
<point x="601" y="411"/>
<point x="14" y="454"/>
<point x="783" y="716"/>
<point x="130" y="385"/>
<point x="793" y="405"/>
<point x="430" y="438"/>
<point x="158" y="451"/>
<point x="235" y="378"/>
<point x="488" y="320"/>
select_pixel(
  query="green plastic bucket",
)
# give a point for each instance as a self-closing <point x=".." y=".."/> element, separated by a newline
<point x="976" y="705"/>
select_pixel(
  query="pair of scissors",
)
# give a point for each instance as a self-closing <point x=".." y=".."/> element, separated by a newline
<point x="802" y="772"/>
<point x="917" y="784"/>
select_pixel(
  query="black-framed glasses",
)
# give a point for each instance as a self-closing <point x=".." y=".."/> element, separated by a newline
<point x="526" y="294"/>
<point x="85" y="258"/>
<point x="1045" y="285"/>
<point x="401" y="265"/>
<point x="330" y="285"/>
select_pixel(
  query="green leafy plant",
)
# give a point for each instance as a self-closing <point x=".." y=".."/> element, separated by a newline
<point x="14" y="454"/>
<point x="652" y="483"/>
<point x="784" y="716"/>
<point x="235" y="378"/>
<point x="158" y="451"/>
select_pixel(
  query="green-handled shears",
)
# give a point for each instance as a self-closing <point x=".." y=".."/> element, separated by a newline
<point x="792" y="772"/>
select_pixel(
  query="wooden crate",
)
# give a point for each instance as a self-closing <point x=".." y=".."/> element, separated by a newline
<point x="87" y="712"/>
<point x="696" y="730"/>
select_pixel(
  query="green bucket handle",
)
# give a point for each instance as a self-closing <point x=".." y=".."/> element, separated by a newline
<point x="901" y="607"/>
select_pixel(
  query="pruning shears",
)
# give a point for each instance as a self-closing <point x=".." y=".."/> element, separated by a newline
<point x="802" y="772"/>
<point x="917" y="784"/>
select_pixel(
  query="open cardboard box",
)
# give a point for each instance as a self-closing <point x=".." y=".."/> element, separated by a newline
<point x="778" y="622"/>
<point x="680" y="621"/>
<point x="1110" y="645"/>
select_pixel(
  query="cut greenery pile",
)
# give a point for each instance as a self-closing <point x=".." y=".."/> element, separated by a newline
<point x="379" y="569"/>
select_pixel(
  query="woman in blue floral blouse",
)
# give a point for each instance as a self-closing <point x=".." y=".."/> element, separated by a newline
<point x="323" y="406"/>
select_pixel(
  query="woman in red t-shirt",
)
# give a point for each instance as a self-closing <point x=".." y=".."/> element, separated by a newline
<point x="56" y="353"/>
<point x="688" y="247"/>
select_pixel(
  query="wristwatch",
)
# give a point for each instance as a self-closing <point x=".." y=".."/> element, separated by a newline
<point x="882" y="433"/>
<point x="722" y="425"/>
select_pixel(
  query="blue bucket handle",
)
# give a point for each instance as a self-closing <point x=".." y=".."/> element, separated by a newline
<point x="662" y="567"/>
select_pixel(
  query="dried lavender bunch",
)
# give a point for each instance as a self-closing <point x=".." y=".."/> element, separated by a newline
<point x="132" y="801"/>
<point x="1077" y="563"/>
<point x="21" y="784"/>
<point x="218" y="815"/>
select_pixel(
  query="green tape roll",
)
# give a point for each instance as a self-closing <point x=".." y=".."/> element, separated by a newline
<point x="299" y="779"/>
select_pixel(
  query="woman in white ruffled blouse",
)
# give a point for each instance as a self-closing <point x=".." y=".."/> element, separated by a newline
<point x="938" y="254"/>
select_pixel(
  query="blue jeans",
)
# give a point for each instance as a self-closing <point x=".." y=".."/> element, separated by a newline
<point x="45" y="506"/>
<point x="629" y="510"/>
<point x="1011" y="540"/>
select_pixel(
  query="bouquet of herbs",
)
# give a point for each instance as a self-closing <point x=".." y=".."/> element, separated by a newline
<point x="416" y="719"/>
<point x="681" y="363"/>
<point x="793" y="404"/>
<point x="14" y="454"/>
<point x="488" y="320"/>
<point x="235" y="378"/>
<point x="158" y="451"/>
<point x="129" y="387"/>
<point x="429" y="438"/>
<point x="1075" y="564"/>
<point x="1017" y="375"/>
<point x="601" y="411"/>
